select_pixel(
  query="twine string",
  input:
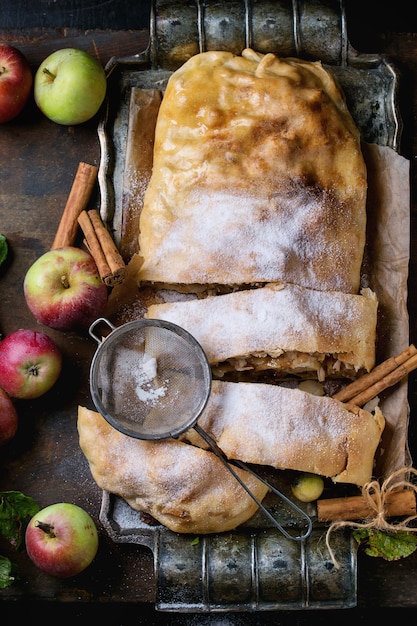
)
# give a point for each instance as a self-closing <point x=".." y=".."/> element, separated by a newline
<point x="375" y="496"/>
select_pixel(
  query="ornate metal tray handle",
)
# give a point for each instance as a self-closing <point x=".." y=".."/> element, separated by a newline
<point x="306" y="29"/>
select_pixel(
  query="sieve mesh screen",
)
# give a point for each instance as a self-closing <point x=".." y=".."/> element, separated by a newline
<point x="152" y="380"/>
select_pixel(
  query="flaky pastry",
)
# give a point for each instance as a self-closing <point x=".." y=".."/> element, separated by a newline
<point x="186" y="488"/>
<point x="292" y="429"/>
<point x="284" y="328"/>
<point x="258" y="176"/>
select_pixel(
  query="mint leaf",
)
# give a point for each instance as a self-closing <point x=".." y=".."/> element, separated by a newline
<point x="3" y="248"/>
<point x="7" y="575"/>
<point x="391" y="546"/>
<point x="16" y="510"/>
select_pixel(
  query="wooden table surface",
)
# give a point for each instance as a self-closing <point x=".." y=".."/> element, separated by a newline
<point x="38" y="161"/>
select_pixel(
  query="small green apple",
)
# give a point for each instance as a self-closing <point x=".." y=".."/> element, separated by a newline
<point x="70" y="86"/>
<point x="307" y="487"/>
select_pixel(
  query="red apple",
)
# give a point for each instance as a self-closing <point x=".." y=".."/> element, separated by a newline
<point x="63" y="289"/>
<point x="9" y="420"/>
<point x="15" y="82"/>
<point x="30" y="363"/>
<point x="61" y="539"/>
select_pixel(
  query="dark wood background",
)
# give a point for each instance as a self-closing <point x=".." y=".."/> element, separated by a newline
<point x="82" y="14"/>
<point x="38" y="161"/>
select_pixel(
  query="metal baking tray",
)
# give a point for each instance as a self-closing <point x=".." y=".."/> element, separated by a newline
<point x="254" y="568"/>
<point x="312" y="30"/>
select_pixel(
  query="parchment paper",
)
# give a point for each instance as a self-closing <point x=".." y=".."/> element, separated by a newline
<point x="386" y="272"/>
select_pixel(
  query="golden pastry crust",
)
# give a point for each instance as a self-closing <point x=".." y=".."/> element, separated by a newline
<point x="183" y="487"/>
<point x="279" y="327"/>
<point x="292" y="429"/>
<point x="258" y="177"/>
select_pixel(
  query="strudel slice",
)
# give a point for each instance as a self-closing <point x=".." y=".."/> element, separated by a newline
<point x="282" y="328"/>
<point x="292" y="429"/>
<point x="183" y="487"/>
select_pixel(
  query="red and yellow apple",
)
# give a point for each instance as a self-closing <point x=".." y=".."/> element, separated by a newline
<point x="30" y="364"/>
<point x="62" y="540"/>
<point x="70" y="86"/>
<point x="15" y="82"/>
<point x="9" y="419"/>
<point x="63" y="289"/>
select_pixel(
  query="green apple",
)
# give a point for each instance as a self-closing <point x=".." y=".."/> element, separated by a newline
<point x="70" y="86"/>
<point x="307" y="487"/>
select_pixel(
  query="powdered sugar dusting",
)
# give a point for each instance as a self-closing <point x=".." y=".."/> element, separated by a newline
<point x="229" y="237"/>
<point x="144" y="377"/>
<point x="277" y="318"/>
<point x="292" y="429"/>
<point x="132" y="381"/>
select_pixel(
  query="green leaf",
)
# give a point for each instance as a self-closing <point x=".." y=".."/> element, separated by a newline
<point x="391" y="546"/>
<point x="3" y="248"/>
<point x="16" y="510"/>
<point x="7" y="572"/>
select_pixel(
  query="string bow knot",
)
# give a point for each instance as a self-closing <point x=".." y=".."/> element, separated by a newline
<point x="375" y="496"/>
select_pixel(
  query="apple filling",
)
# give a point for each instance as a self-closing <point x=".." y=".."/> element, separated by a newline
<point x="290" y="362"/>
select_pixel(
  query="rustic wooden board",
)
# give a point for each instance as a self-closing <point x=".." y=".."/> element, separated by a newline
<point x="38" y="161"/>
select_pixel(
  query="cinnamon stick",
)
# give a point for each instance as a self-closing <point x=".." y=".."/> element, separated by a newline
<point x="93" y="245"/>
<point x="77" y="201"/>
<point x="384" y="375"/>
<point x="101" y="246"/>
<point x="397" y="504"/>
<point x="390" y="380"/>
<point x="113" y="257"/>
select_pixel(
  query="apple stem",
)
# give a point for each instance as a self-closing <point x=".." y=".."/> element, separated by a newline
<point x="48" y="72"/>
<point x="47" y="528"/>
<point x="65" y="281"/>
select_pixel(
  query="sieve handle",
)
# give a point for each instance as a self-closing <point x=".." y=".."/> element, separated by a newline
<point x="228" y="464"/>
<point x="283" y="497"/>
<point x="100" y="320"/>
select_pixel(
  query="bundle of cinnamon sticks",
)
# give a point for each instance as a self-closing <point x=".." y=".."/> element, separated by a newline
<point x="99" y="242"/>
<point x="385" y="375"/>
<point x="397" y="504"/>
<point x="98" y="239"/>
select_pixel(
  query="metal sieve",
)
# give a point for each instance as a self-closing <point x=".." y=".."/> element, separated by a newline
<point x="150" y="379"/>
